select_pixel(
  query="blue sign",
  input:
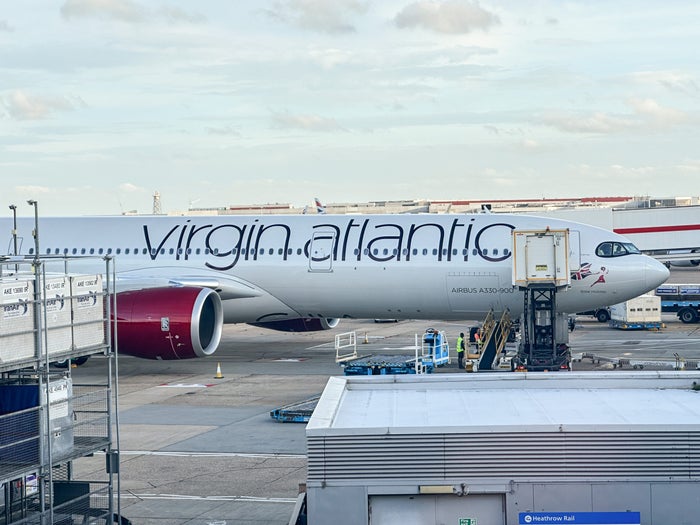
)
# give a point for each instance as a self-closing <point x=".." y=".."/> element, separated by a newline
<point x="580" y="518"/>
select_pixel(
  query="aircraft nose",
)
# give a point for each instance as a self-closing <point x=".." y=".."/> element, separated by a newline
<point x="655" y="273"/>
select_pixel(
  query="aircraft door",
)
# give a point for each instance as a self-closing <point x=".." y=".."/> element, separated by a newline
<point x="574" y="250"/>
<point x="321" y="251"/>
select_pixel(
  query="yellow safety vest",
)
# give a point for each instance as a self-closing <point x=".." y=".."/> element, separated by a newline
<point x="460" y="345"/>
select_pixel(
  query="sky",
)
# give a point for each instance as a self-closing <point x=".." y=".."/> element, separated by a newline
<point x="222" y="102"/>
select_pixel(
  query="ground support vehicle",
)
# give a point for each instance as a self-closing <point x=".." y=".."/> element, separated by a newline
<point x="299" y="412"/>
<point x="681" y="299"/>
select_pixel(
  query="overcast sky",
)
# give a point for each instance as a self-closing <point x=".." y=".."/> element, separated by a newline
<point x="220" y="102"/>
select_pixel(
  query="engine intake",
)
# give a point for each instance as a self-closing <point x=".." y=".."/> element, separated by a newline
<point x="169" y="323"/>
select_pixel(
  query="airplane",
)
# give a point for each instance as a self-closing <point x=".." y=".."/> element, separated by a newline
<point x="320" y="208"/>
<point x="307" y="272"/>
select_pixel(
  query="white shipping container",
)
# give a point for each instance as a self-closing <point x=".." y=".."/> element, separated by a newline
<point x="60" y="430"/>
<point x="88" y="310"/>
<point x="58" y="315"/>
<point x="16" y="320"/>
<point x="642" y="309"/>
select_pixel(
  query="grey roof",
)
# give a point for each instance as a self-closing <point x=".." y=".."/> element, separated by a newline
<point x="509" y="402"/>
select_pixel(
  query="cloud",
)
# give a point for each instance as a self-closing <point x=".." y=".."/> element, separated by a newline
<point x="32" y="190"/>
<point x="24" y="106"/>
<point x="5" y="26"/>
<point x="305" y="122"/>
<point x="126" y="11"/>
<point x="595" y="123"/>
<point x="123" y="10"/>
<point x="226" y="131"/>
<point x="321" y="16"/>
<point x="670" y="80"/>
<point x="175" y="15"/>
<point x="450" y="17"/>
<point x="131" y="188"/>
<point x="648" y="114"/>
<point x="652" y="110"/>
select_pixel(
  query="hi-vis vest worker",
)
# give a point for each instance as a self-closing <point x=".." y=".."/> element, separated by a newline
<point x="460" y="351"/>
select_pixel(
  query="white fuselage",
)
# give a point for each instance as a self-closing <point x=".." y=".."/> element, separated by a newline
<point x="269" y="268"/>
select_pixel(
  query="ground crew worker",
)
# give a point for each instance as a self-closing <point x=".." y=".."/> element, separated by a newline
<point x="477" y="341"/>
<point x="460" y="351"/>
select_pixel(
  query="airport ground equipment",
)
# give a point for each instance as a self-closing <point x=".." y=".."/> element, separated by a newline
<point x="640" y="313"/>
<point x="435" y="347"/>
<point x="299" y="412"/>
<point x="492" y="342"/>
<point x="681" y="299"/>
<point x="383" y="364"/>
<point x="541" y="267"/>
<point x="433" y="351"/>
<point x="677" y="363"/>
<point x="601" y="314"/>
<point x="50" y="422"/>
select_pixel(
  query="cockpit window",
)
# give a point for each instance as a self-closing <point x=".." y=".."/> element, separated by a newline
<point x="615" y="249"/>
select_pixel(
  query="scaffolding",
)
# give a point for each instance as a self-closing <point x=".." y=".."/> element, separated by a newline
<point x="53" y="315"/>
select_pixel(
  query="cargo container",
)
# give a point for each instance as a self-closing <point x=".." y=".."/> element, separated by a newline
<point x="640" y="313"/>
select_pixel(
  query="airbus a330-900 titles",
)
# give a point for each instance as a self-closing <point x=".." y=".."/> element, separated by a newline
<point x="307" y="272"/>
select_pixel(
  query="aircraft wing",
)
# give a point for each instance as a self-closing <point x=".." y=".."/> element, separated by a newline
<point x="226" y="286"/>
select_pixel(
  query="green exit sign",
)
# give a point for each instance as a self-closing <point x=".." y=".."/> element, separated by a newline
<point x="467" y="521"/>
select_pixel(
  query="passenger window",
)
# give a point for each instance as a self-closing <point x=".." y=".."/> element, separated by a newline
<point x="92" y="251"/>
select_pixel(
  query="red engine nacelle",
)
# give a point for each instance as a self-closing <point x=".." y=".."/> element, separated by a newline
<point x="169" y="323"/>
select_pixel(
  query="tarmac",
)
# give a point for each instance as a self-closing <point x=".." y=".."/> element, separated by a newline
<point x="200" y="450"/>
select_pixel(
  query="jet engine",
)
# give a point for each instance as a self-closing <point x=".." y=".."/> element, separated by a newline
<point x="301" y="324"/>
<point x="169" y="323"/>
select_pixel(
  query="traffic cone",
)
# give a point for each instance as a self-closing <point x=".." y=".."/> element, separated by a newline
<point x="218" y="375"/>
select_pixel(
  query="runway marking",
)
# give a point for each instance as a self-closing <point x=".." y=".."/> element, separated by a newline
<point x="210" y="454"/>
<point x="184" y="385"/>
<point x="179" y="497"/>
<point x="290" y="359"/>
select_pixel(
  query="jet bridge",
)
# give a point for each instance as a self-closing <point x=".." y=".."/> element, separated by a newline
<point x="540" y="270"/>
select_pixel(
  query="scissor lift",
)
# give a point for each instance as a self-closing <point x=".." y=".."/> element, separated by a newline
<point x="540" y="269"/>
